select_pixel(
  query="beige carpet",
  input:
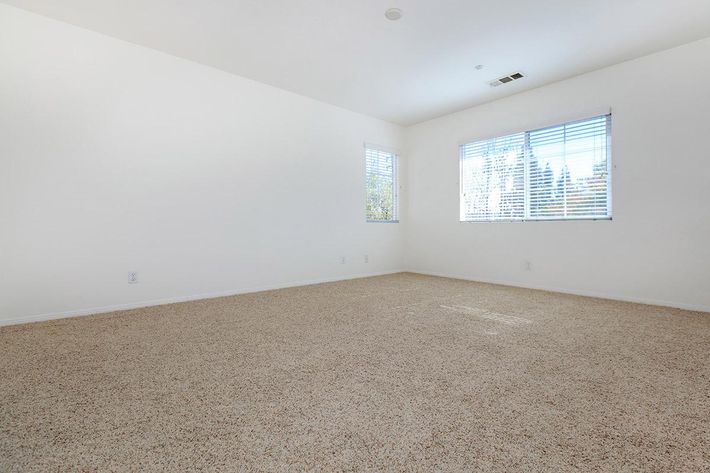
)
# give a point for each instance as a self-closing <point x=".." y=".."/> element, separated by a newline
<point x="398" y="373"/>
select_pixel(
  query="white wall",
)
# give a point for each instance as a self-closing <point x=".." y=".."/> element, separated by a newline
<point x="656" y="249"/>
<point x="114" y="157"/>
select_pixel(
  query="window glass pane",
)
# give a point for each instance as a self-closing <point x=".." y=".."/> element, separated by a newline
<point x="559" y="172"/>
<point x="493" y="178"/>
<point x="381" y="185"/>
<point x="568" y="170"/>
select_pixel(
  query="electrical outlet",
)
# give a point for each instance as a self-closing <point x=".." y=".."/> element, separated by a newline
<point x="528" y="266"/>
<point x="342" y="260"/>
<point x="132" y="277"/>
<point x="366" y="259"/>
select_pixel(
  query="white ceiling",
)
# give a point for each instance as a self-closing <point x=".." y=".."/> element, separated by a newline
<point x="422" y="66"/>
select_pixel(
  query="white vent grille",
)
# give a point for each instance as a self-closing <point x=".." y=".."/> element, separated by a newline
<point x="507" y="79"/>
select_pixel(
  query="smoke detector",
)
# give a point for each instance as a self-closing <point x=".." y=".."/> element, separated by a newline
<point x="506" y="79"/>
<point x="393" y="14"/>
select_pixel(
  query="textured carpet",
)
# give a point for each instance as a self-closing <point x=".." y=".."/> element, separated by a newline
<point x="403" y="372"/>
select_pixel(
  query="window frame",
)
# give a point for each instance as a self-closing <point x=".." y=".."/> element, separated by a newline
<point x="526" y="163"/>
<point x="395" y="182"/>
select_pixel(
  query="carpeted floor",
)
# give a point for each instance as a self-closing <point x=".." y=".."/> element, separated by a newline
<point x="400" y="373"/>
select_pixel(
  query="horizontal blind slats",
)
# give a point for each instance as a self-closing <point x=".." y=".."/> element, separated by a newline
<point x="380" y="185"/>
<point x="555" y="172"/>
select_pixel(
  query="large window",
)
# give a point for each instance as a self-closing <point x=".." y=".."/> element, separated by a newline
<point x="557" y="173"/>
<point x="381" y="185"/>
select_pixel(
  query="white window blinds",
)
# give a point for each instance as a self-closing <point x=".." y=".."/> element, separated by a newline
<point x="380" y="185"/>
<point x="559" y="172"/>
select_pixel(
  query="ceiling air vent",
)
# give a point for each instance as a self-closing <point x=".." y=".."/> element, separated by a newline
<point x="506" y="79"/>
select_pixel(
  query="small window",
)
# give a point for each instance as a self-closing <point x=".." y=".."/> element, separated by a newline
<point x="380" y="185"/>
<point x="556" y="173"/>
